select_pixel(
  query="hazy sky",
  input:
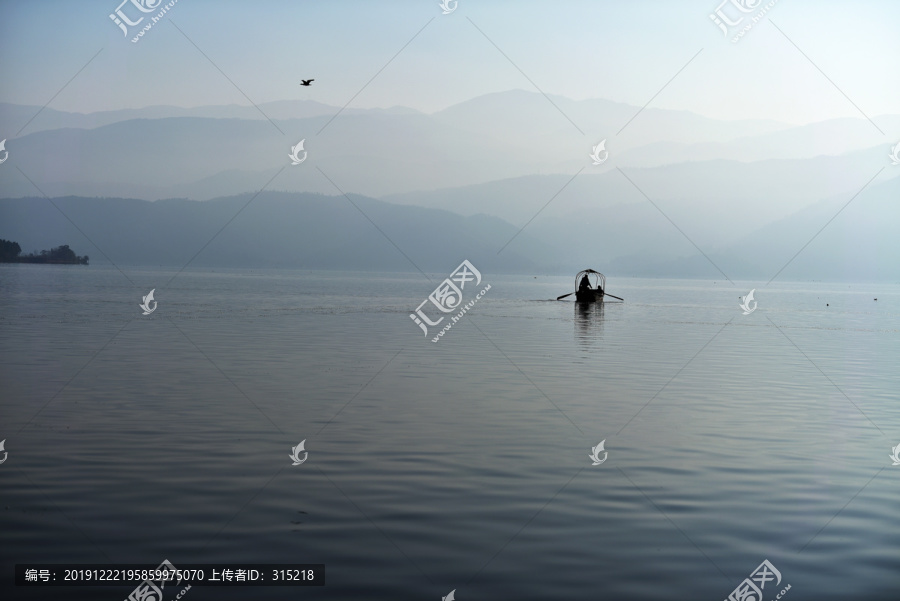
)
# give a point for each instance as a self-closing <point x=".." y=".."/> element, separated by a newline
<point x="622" y="51"/>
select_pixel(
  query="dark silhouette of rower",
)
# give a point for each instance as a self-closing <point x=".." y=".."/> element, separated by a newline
<point x="585" y="283"/>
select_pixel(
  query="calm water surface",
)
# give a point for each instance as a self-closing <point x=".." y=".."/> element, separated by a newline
<point x="461" y="464"/>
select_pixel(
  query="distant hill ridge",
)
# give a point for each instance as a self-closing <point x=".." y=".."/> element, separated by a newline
<point x="213" y="151"/>
<point x="314" y="231"/>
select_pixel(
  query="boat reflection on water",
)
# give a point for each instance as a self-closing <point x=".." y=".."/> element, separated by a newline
<point x="588" y="321"/>
<point x="590" y="298"/>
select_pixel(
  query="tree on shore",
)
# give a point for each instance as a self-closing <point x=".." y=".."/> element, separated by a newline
<point x="10" y="253"/>
<point x="9" y="250"/>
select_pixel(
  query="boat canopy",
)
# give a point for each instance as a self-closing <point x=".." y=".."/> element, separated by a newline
<point x="597" y="279"/>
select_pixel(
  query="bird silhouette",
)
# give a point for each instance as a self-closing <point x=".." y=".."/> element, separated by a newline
<point x="306" y="82"/>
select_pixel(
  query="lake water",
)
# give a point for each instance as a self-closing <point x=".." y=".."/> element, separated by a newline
<point x="462" y="464"/>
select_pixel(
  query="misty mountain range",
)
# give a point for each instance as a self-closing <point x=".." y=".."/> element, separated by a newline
<point x="312" y="231"/>
<point x="459" y="183"/>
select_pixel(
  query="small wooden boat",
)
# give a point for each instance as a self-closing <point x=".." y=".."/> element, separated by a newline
<point x="590" y="286"/>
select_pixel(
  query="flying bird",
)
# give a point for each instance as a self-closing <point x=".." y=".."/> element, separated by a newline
<point x="306" y="82"/>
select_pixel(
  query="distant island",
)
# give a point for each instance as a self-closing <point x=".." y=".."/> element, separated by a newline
<point x="61" y="255"/>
